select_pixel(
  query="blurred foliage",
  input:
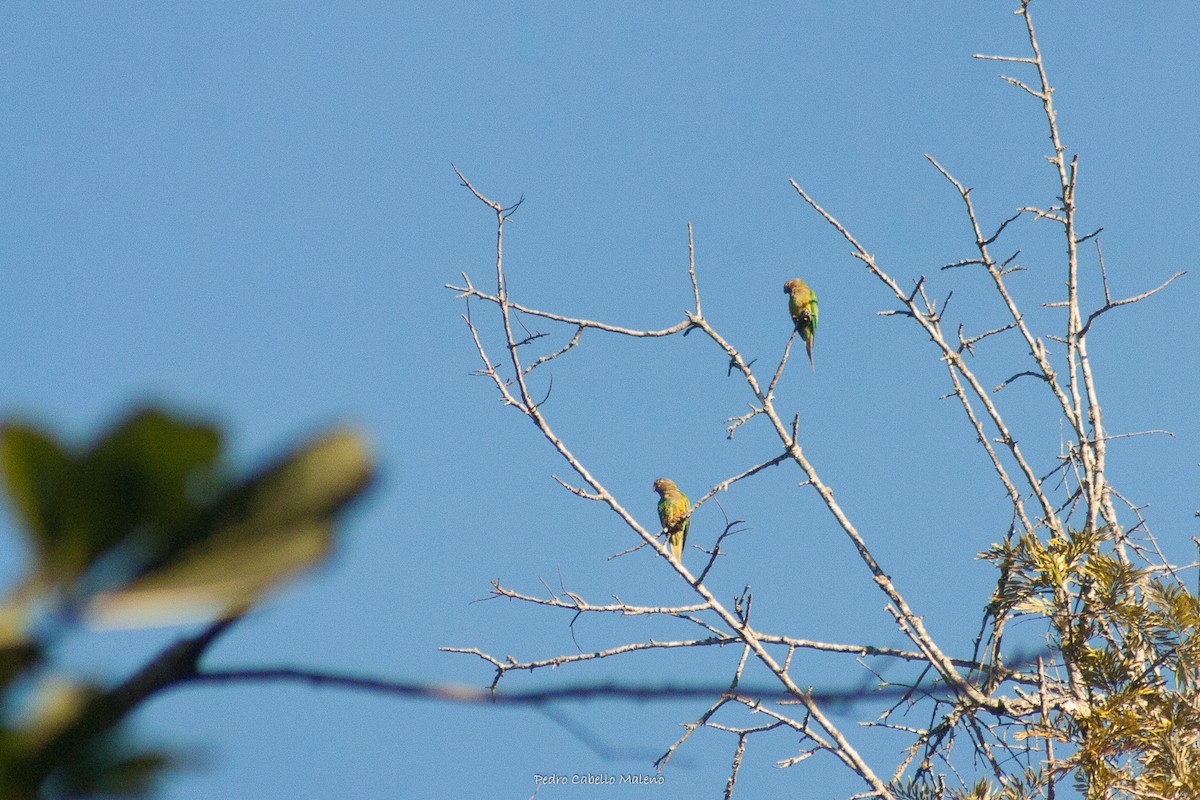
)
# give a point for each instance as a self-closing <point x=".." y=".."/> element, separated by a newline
<point x="145" y="524"/>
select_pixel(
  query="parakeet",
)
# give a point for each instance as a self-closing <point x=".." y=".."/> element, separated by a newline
<point x="672" y="506"/>
<point x="802" y="303"/>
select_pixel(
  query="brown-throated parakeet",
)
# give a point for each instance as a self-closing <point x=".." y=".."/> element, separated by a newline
<point x="672" y="513"/>
<point x="802" y="304"/>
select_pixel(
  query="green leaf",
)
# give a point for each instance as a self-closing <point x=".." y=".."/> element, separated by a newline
<point x="215" y="579"/>
<point x="144" y="479"/>
<point x="312" y="482"/>
<point x="36" y="472"/>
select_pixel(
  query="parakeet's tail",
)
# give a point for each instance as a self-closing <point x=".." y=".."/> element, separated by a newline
<point x="808" y="346"/>
<point x="677" y="541"/>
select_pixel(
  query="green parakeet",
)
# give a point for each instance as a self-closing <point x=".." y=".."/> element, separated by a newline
<point x="672" y="507"/>
<point x="802" y="304"/>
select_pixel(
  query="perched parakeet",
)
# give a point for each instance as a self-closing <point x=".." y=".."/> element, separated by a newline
<point x="802" y="304"/>
<point x="672" y="506"/>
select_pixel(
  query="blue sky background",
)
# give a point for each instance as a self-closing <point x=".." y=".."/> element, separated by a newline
<point x="248" y="212"/>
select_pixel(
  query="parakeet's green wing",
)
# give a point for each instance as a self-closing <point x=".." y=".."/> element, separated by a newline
<point x="687" y="525"/>
<point x="671" y="508"/>
<point x="811" y="332"/>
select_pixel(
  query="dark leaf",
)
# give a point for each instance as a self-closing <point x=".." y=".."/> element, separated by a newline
<point x="37" y="472"/>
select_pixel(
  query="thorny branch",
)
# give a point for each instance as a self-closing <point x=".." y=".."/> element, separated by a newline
<point x="957" y="690"/>
<point x="521" y="398"/>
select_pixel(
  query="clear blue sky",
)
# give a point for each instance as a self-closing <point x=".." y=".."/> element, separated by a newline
<point x="248" y="211"/>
